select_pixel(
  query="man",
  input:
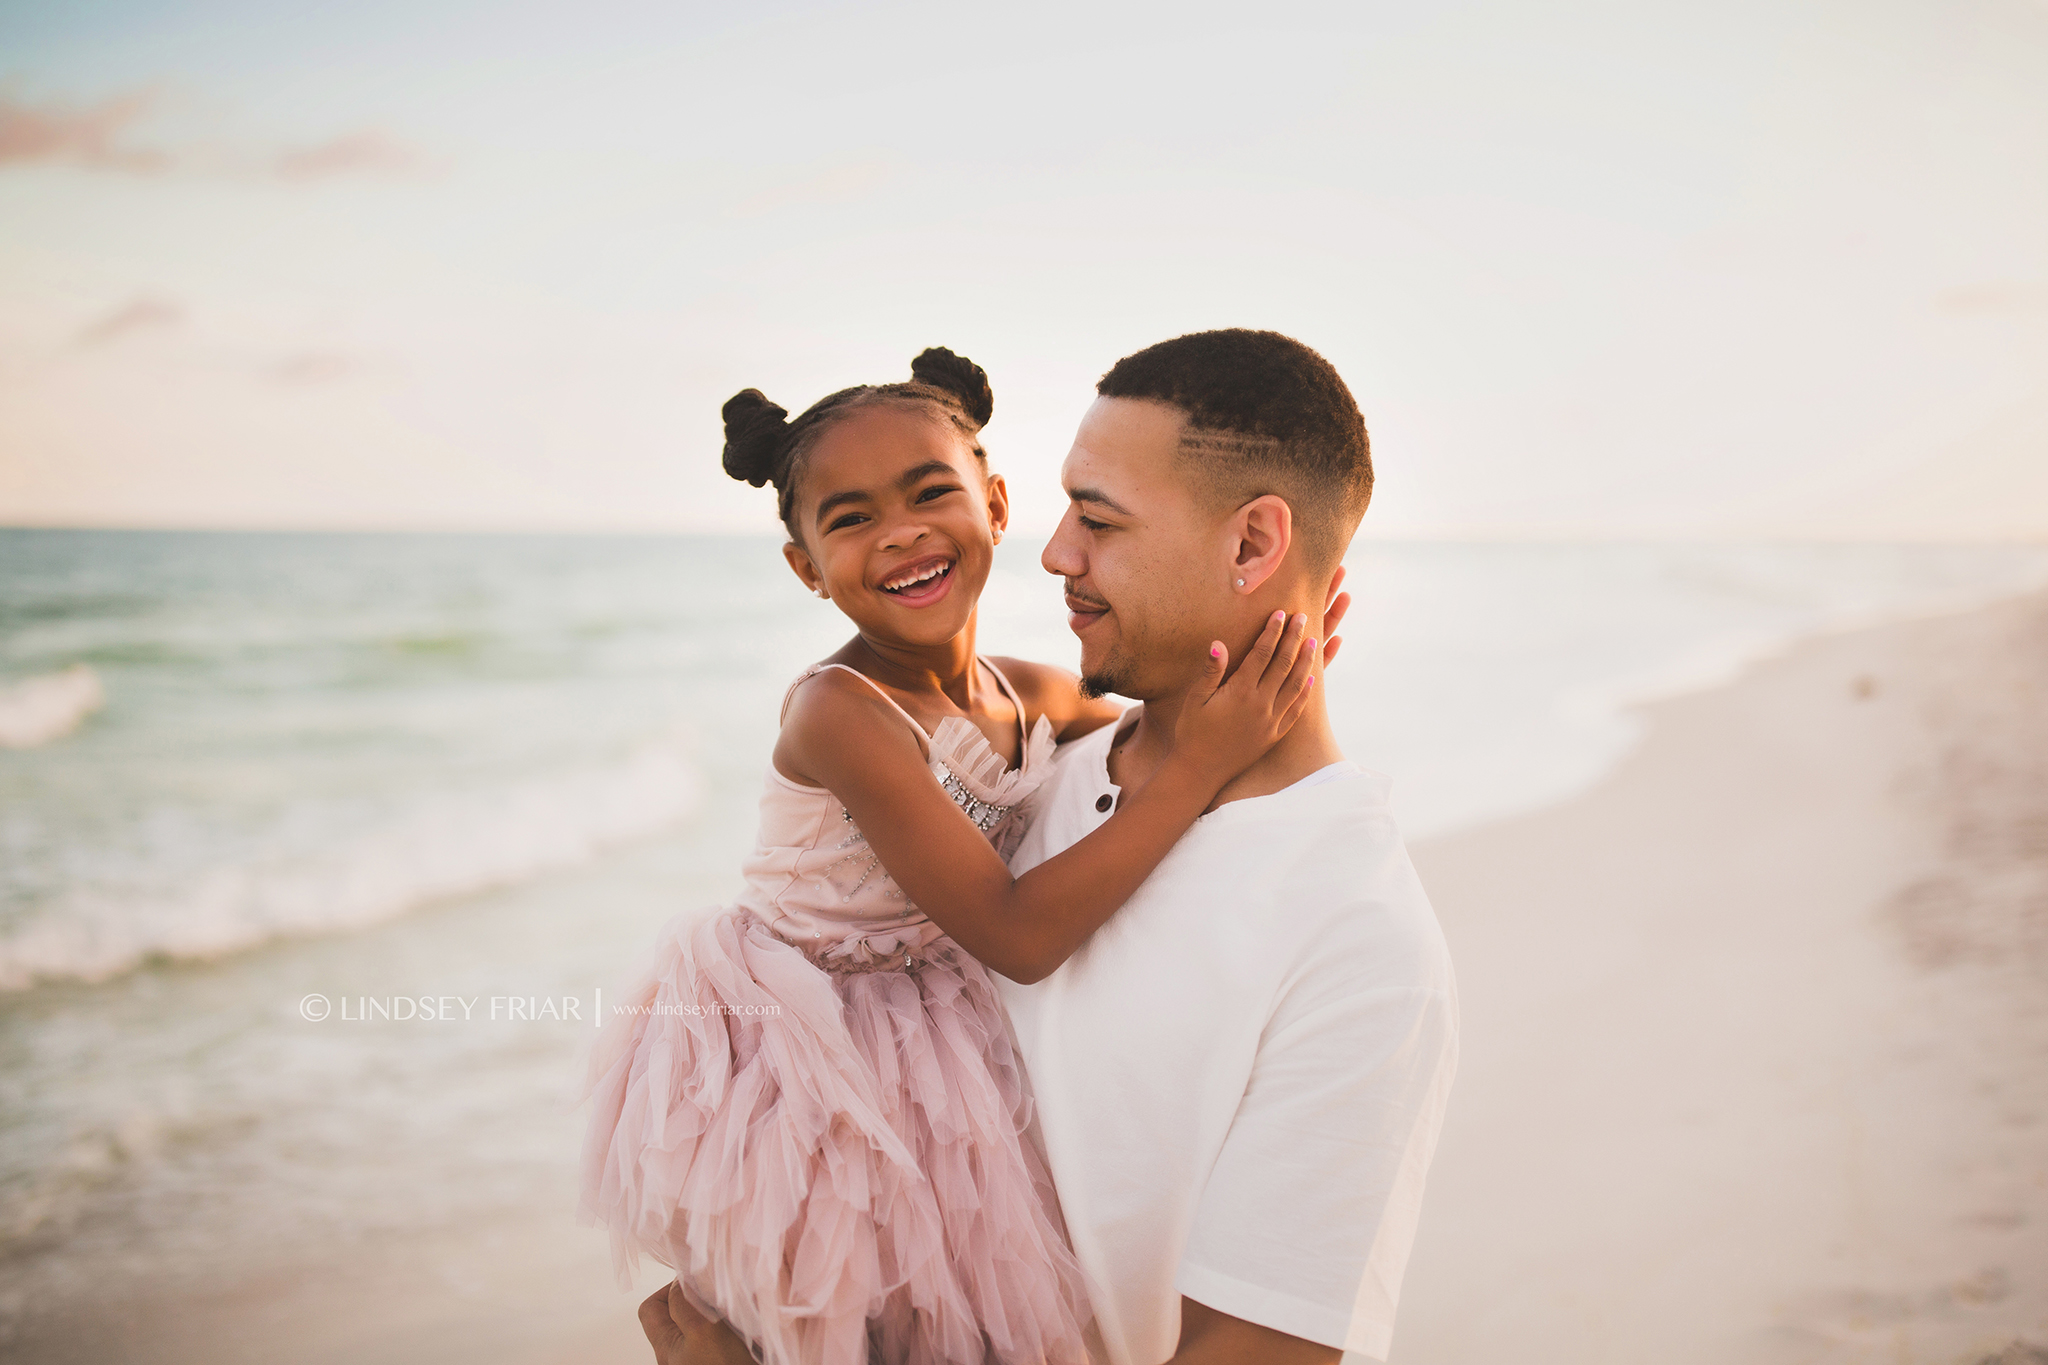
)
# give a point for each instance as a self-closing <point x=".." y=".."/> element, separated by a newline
<point x="1239" y="1078"/>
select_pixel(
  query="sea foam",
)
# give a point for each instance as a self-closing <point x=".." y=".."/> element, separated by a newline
<point x="435" y="847"/>
<point x="48" y="706"/>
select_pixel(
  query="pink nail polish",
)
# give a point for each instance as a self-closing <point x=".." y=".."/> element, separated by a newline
<point x="1215" y="652"/>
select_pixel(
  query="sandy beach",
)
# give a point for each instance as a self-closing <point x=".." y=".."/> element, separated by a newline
<point x="1755" y="1067"/>
<point x="1756" y="1050"/>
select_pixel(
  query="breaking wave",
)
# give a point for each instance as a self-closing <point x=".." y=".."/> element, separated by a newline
<point x="435" y="847"/>
<point x="48" y="706"/>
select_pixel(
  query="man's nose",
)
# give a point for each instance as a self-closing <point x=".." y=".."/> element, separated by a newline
<point x="1062" y="553"/>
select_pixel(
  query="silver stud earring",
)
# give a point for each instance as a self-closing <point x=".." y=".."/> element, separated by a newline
<point x="821" y="592"/>
<point x="1240" y="582"/>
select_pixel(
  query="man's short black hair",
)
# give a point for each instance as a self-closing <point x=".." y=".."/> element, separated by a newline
<point x="1265" y="415"/>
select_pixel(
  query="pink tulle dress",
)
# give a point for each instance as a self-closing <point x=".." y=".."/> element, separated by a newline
<point x="813" y="1109"/>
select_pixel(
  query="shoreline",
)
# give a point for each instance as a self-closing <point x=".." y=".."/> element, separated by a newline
<point x="1542" y="686"/>
<point x="1754" y="1040"/>
<point x="1748" y="1069"/>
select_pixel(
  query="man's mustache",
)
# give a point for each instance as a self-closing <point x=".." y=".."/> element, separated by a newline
<point x="1076" y="595"/>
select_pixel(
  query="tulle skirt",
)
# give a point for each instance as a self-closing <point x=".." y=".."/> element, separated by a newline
<point x="836" y="1163"/>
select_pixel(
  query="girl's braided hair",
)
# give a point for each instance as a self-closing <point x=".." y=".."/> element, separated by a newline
<point x="763" y="446"/>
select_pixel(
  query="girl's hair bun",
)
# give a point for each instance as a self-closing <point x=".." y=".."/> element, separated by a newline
<point x="959" y="376"/>
<point x="756" y="436"/>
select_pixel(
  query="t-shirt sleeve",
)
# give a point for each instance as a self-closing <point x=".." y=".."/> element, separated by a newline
<point x="1309" y="1214"/>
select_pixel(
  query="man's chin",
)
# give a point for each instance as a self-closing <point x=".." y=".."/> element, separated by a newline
<point x="1105" y="681"/>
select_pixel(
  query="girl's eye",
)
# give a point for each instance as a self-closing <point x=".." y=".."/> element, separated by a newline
<point x="850" y="519"/>
<point x="936" y="490"/>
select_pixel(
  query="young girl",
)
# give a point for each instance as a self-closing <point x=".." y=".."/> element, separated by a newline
<point x="812" y="1107"/>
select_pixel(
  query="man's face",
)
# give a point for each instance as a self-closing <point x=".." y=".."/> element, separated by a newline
<point x="1145" y="560"/>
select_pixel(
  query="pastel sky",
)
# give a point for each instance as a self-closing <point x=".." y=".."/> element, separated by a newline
<point x="1688" y="269"/>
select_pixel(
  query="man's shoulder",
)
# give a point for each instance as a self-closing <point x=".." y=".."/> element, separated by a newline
<point x="1039" y="686"/>
<point x="1342" y="891"/>
<point x="1079" y="760"/>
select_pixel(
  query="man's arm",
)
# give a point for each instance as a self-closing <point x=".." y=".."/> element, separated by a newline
<point x="681" y="1335"/>
<point x="1208" y="1337"/>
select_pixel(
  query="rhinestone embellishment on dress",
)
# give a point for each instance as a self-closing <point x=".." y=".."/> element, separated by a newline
<point x="984" y="814"/>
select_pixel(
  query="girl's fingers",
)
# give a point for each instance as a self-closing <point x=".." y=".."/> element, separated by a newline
<point x="1295" y="688"/>
<point x="1298" y="704"/>
<point x="1295" y="682"/>
<point x="1261" y="655"/>
<point x="1330" y="651"/>
<point x="1281" y="665"/>
<point x="1333" y="615"/>
<point x="1212" y="673"/>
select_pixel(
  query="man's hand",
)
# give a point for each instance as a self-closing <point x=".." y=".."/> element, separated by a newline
<point x="681" y="1335"/>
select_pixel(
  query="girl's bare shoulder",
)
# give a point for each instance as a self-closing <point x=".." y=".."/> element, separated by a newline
<point x="834" y="715"/>
<point x="1054" y="692"/>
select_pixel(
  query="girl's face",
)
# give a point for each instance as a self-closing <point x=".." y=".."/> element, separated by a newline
<point x="897" y="524"/>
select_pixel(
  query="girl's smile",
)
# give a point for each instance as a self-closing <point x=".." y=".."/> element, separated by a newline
<point x="898" y="522"/>
<point x="922" y="582"/>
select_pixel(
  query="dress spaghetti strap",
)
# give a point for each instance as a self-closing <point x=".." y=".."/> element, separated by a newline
<point x="923" y="738"/>
<point x="1023" y="721"/>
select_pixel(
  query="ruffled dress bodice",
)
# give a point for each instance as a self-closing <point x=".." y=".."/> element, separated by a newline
<point x="813" y="879"/>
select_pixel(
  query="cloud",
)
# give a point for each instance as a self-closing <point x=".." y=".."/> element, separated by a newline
<point x="139" y="315"/>
<point x="1999" y="298"/>
<point x="312" y="367"/>
<point x="363" y="153"/>
<point x="96" y="136"/>
<point x="88" y="136"/>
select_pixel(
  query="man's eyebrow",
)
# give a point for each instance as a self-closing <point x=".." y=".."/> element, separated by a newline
<point x="1097" y="495"/>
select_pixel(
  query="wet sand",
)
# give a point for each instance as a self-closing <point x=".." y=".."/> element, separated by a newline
<point x="1755" y="1068"/>
<point x="1756" y="1037"/>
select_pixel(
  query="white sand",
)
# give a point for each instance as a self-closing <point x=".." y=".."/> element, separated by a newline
<point x="1756" y="1042"/>
<point x="1755" y="1066"/>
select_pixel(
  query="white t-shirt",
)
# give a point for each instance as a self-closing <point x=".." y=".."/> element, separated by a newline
<point x="1241" y="1076"/>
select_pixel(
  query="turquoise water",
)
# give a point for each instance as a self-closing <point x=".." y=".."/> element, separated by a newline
<point x="377" y="766"/>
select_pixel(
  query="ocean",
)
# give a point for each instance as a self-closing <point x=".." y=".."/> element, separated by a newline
<point x="239" y="771"/>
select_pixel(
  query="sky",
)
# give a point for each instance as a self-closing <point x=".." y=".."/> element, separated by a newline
<point x="1592" y="269"/>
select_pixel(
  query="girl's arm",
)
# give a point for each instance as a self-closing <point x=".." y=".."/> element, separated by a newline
<point x="1024" y="927"/>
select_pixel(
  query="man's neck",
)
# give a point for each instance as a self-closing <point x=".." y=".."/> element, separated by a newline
<point x="1309" y="747"/>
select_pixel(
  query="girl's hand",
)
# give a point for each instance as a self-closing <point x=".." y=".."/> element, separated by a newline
<point x="1228" y="726"/>
<point x="1333" y="616"/>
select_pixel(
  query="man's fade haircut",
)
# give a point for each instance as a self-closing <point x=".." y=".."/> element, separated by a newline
<point x="1265" y="415"/>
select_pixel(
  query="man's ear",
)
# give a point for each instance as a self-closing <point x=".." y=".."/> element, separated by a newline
<point x="800" y="564"/>
<point x="1261" y="532"/>
<point x="998" y="505"/>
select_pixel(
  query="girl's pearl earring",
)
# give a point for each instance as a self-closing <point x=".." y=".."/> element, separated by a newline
<point x="1240" y="582"/>
<point x="819" y="591"/>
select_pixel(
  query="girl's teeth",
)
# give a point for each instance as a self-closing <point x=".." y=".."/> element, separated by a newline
<point x="921" y="578"/>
